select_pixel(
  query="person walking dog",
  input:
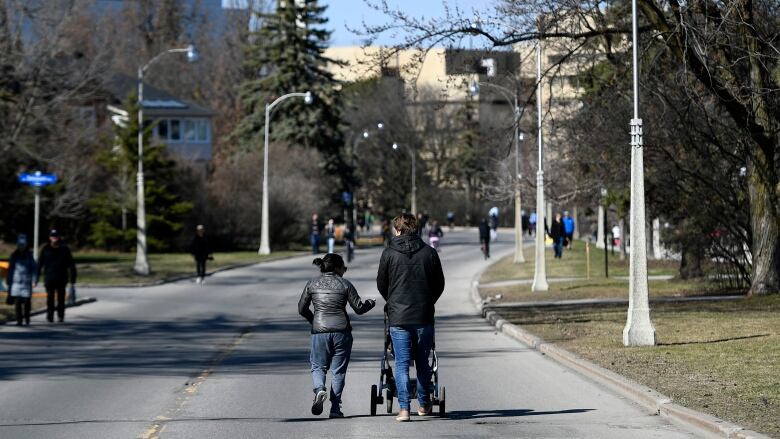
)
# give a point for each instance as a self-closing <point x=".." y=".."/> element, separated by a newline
<point x="22" y="274"/>
<point x="331" y="333"/>
<point x="58" y="266"/>
<point x="411" y="280"/>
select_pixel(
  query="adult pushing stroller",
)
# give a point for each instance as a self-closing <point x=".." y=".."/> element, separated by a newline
<point x="385" y="390"/>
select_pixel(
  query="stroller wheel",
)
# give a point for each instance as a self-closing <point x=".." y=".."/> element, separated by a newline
<point x="442" y="409"/>
<point x="374" y="394"/>
<point x="389" y="400"/>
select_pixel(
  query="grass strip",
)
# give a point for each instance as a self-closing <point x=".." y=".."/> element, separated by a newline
<point x="721" y="358"/>
<point x="98" y="268"/>
<point x="573" y="264"/>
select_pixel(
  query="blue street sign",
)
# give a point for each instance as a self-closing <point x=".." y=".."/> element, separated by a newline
<point x="37" y="178"/>
<point x="346" y="197"/>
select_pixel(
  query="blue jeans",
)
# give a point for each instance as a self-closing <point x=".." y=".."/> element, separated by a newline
<point x="558" y="247"/>
<point x="315" y="243"/>
<point x="330" y="350"/>
<point x="412" y="342"/>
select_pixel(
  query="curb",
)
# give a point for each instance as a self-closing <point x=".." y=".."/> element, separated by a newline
<point x="40" y="311"/>
<point x="656" y="402"/>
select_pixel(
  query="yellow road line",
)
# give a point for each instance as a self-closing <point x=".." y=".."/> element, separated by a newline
<point x="191" y="389"/>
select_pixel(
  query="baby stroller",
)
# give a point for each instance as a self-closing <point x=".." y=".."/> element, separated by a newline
<point x="385" y="391"/>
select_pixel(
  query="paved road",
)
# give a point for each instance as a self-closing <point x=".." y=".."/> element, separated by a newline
<point x="230" y="360"/>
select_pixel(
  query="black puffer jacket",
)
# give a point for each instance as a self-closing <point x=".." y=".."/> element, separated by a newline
<point x="411" y="280"/>
<point x="57" y="265"/>
<point x="330" y="294"/>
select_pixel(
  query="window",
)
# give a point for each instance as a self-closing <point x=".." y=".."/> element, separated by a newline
<point x="189" y="130"/>
<point x="162" y="129"/>
<point x="203" y="130"/>
<point x="175" y="130"/>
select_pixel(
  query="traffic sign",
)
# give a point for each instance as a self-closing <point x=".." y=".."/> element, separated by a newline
<point x="346" y="197"/>
<point x="38" y="179"/>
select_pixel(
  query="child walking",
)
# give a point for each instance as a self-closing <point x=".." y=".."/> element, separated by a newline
<point x="331" y="333"/>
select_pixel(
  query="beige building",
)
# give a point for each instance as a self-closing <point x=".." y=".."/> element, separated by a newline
<point x="371" y="62"/>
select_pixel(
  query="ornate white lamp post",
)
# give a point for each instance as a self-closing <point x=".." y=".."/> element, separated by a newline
<point x="639" y="331"/>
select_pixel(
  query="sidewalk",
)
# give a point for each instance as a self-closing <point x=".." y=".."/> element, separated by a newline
<point x="35" y="312"/>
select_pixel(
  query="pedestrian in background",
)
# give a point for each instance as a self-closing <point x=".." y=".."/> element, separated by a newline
<point x="524" y="222"/>
<point x="532" y="224"/>
<point x="493" y="222"/>
<point x="201" y="251"/>
<point x="330" y="233"/>
<point x="411" y="280"/>
<point x="568" y="229"/>
<point x="57" y="264"/>
<point x="22" y="274"/>
<point x="451" y="219"/>
<point x="435" y="233"/>
<point x="349" y="243"/>
<point x="315" y="231"/>
<point x="616" y="235"/>
<point x="557" y="234"/>
<point x="484" y="237"/>
<point x="387" y="233"/>
<point x="331" y="332"/>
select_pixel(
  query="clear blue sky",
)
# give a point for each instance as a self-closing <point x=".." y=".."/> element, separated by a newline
<point x="343" y="13"/>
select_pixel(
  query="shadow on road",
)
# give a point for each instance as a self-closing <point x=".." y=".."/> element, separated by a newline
<point x="116" y="348"/>
<point x="508" y="413"/>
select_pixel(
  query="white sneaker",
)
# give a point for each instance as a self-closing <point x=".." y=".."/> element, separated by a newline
<point x="199" y="280"/>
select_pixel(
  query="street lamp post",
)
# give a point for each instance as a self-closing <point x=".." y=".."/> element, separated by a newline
<point x="414" y="184"/>
<point x="141" y="260"/>
<point x="364" y="135"/>
<point x="474" y="89"/>
<point x="265" y="247"/>
<point x="639" y="330"/>
<point x="540" y="275"/>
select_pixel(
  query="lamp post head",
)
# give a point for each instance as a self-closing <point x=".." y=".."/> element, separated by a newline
<point x="603" y="192"/>
<point x="380" y="125"/>
<point x="192" y="54"/>
<point x="520" y="137"/>
<point x="395" y="146"/>
<point x="308" y="98"/>
<point x="365" y="134"/>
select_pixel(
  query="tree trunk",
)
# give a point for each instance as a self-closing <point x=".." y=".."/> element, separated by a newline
<point x="467" y="190"/>
<point x="765" y="225"/>
<point x="623" y="239"/>
<point x="690" y="263"/>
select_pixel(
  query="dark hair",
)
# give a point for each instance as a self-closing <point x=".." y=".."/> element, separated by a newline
<point x="405" y="223"/>
<point x="329" y="263"/>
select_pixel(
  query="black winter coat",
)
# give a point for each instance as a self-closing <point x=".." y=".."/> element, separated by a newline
<point x="56" y="264"/>
<point x="484" y="230"/>
<point x="200" y="247"/>
<point x="330" y="294"/>
<point x="556" y="230"/>
<point x="411" y="280"/>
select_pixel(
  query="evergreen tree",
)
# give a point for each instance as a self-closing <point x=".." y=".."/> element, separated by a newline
<point x="286" y="55"/>
<point x="166" y="208"/>
<point x="467" y="162"/>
